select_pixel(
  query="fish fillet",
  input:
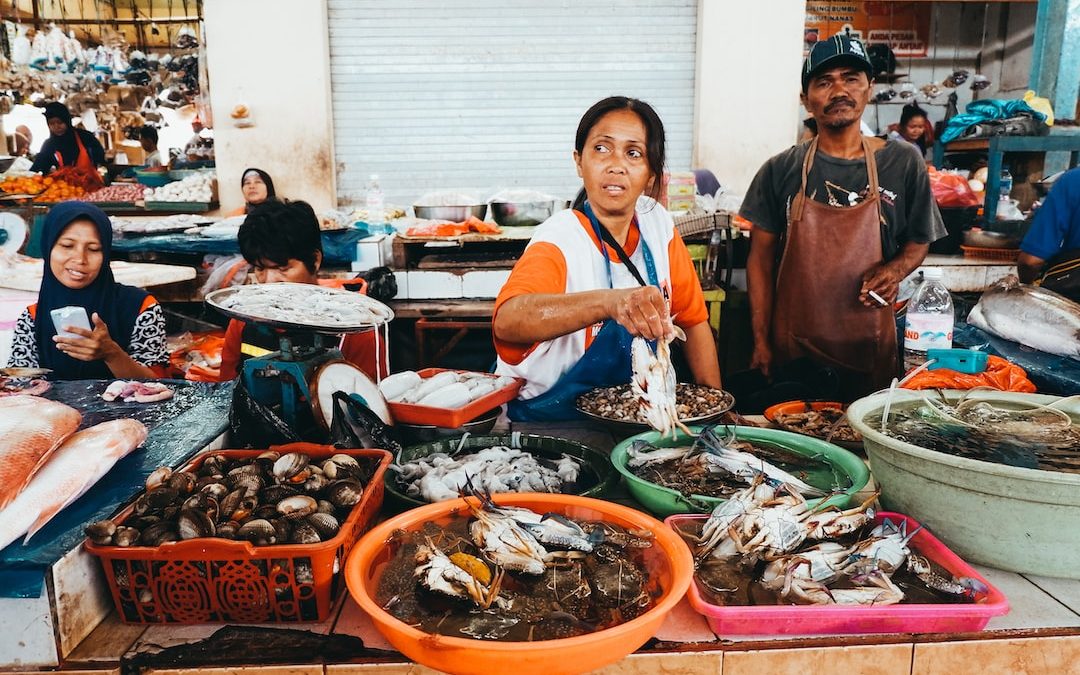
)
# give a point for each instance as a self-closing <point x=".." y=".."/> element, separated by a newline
<point x="30" y="429"/>
<point x="79" y="463"/>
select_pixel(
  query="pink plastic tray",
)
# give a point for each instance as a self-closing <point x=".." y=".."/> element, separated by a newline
<point x="816" y="619"/>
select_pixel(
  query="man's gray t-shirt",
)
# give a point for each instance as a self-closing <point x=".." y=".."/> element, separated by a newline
<point x="903" y="183"/>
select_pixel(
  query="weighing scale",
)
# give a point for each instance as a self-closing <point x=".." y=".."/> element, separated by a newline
<point x="13" y="232"/>
<point x="283" y="379"/>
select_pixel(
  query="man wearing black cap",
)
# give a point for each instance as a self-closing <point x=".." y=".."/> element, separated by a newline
<point x="839" y="221"/>
<point x="66" y="145"/>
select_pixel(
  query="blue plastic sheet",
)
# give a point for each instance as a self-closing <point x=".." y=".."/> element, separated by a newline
<point x="179" y="427"/>
<point x="339" y="246"/>
<point x="986" y="110"/>
<point x="1051" y="374"/>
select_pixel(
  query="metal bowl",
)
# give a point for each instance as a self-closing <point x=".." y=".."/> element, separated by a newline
<point x="522" y="214"/>
<point x="455" y="214"/>
<point x="622" y="428"/>
<point x="985" y="239"/>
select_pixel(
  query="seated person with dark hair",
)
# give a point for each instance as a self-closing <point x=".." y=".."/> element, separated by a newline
<point x="282" y="242"/>
<point x="148" y="139"/>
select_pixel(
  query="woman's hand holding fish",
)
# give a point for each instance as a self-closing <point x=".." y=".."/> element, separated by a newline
<point x="93" y="345"/>
<point x="643" y="312"/>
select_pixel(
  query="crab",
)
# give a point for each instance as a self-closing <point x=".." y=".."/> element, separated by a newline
<point x="775" y="527"/>
<point x="819" y="564"/>
<point x="967" y="587"/>
<point x="885" y="549"/>
<point x="437" y="572"/>
<point x="715" y="539"/>
<point x="833" y="522"/>
<point x="497" y="532"/>
<point x="719" y="454"/>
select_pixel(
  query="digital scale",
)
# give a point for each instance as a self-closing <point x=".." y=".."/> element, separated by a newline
<point x="288" y="379"/>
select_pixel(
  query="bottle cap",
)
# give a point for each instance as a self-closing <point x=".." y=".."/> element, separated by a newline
<point x="932" y="273"/>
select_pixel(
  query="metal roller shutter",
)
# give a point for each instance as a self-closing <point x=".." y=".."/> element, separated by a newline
<point x="476" y="95"/>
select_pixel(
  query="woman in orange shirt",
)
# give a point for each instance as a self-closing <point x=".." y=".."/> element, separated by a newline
<point x="592" y="280"/>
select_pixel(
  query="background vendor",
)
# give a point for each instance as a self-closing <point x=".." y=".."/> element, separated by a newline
<point x="837" y="221"/>
<point x="591" y="280"/>
<point x="257" y="188"/>
<point x="127" y="336"/>
<point x="148" y="139"/>
<point x="1054" y="236"/>
<point x="67" y="146"/>
<point x="914" y="127"/>
<point x="282" y="242"/>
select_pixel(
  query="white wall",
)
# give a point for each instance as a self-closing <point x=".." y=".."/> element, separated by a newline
<point x="274" y="57"/>
<point x="747" y="102"/>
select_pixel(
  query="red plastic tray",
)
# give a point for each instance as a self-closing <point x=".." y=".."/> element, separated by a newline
<point x="452" y="418"/>
<point x="818" y="619"/>
<point x="211" y="580"/>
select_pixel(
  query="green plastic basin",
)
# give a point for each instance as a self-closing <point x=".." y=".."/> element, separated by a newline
<point x="1016" y="519"/>
<point x="845" y="467"/>
<point x="593" y="461"/>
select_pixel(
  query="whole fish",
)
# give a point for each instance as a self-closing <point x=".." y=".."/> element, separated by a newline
<point x="80" y="462"/>
<point x="31" y="428"/>
<point x="1032" y="316"/>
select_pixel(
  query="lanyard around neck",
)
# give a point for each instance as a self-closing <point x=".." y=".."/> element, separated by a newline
<point x="606" y="237"/>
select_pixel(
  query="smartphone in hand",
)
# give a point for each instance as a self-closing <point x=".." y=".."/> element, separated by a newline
<point x="63" y="317"/>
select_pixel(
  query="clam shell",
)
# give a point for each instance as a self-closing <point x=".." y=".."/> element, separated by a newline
<point x="227" y="530"/>
<point x="258" y="531"/>
<point x="126" y="536"/>
<point x="266" y="511"/>
<point x="299" y="506"/>
<point x="325" y="524"/>
<point x="158" y="477"/>
<point x="290" y="465"/>
<point x="158" y="533"/>
<point x="216" y="490"/>
<point x="272" y="494"/>
<point x="282" y="529"/>
<point x="155" y="500"/>
<point x="231" y="503"/>
<point x="101" y="532"/>
<point x="193" y="524"/>
<point x="183" y="482"/>
<point x="304" y="533"/>
<point x="345" y="493"/>
<point x="316" y="482"/>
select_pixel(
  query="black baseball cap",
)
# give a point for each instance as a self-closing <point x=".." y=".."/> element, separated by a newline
<point x="836" y="51"/>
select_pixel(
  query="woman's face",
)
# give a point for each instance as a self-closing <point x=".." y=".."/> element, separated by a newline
<point x="57" y="126"/>
<point x="254" y="188"/>
<point x="613" y="164"/>
<point x="76" y="257"/>
<point x="914" y="129"/>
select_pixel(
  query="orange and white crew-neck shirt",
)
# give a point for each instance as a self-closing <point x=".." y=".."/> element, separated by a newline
<point x="564" y="256"/>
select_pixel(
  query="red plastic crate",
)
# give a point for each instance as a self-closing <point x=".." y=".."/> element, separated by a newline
<point x="211" y="580"/>
<point x="452" y="418"/>
<point x="822" y="619"/>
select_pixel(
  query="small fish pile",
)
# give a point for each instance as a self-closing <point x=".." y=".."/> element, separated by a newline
<point x="438" y="476"/>
<point x="303" y="304"/>
<point x="716" y="465"/>
<point x="268" y="499"/>
<point x="1033" y="316"/>
<point x="509" y="573"/>
<point x="447" y="389"/>
<point x="766" y="545"/>
<point x="139" y="392"/>
<point x="82" y="459"/>
<point x="620" y="403"/>
<point x="828" y="424"/>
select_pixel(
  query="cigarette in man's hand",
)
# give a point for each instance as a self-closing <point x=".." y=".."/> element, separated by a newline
<point x="880" y="300"/>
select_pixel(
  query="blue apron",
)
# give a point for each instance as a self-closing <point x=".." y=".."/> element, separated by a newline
<point x="605" y="363"/>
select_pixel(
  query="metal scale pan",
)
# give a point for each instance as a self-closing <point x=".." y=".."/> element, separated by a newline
<point x="304" y="295"/>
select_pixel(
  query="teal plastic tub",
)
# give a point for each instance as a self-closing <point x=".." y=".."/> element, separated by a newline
<point x="1013" y="518"/>
<point x="844" y="467"/>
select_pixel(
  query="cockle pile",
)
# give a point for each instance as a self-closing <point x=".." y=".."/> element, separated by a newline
<point x="509" y="573"/>
<point x="767" y="545"/>
<point x="273" y="498"/>
<point x="439" y="476"/>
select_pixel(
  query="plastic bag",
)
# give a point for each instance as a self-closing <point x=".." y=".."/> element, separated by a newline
<point x="1042" y="105"/>
<point x="952" y="189"/>
<point x="354" y="425"/>
<point x="254" y="425"/>
<point x="999" y="374"/>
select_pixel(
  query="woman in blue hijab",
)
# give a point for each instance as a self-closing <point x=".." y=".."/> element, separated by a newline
<point x="127" y="335"/>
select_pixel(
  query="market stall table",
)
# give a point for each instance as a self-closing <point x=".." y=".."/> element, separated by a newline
<point x="25" y="274"/>
<point x="1040" y="634"/>
<point x="51" y="592"/>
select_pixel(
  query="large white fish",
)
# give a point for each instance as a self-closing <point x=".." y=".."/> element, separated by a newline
<point x="30" y="428"/>
<point x="1032" y="316"/>
<point x="80" y="462"/>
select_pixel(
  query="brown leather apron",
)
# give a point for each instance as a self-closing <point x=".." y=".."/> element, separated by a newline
<point x="816" y="309"/>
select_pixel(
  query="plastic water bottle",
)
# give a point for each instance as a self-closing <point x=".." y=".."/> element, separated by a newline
<point x="373" y="203"/>
<point x="929" y="319"/>
<point x="1006" y="183"/>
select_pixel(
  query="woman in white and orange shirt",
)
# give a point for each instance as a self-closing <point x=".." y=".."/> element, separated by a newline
<point x="592" y="280"/>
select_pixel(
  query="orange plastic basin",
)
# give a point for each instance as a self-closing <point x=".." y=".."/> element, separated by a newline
<point x="793" y="407"/>
<point x="674" y="572"/>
